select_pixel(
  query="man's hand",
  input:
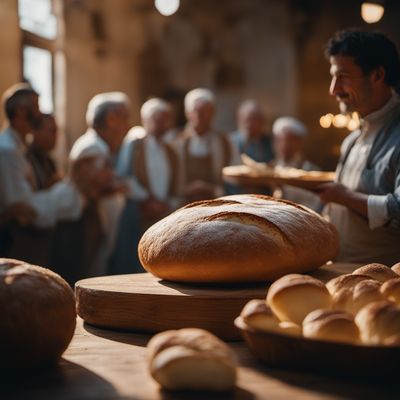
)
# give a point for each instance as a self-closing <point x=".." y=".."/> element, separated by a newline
<point x="20" y="212"/>
<point x="92" y="176"/>
<point x="335" y="192"/>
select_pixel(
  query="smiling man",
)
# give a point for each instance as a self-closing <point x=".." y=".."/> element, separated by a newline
<point x="364" y="203"/>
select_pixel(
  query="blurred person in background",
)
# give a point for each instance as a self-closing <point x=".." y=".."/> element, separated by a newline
<point x="90" y="242"/>
<point x="44" y="139"/>
<point x="251" y="137"/>
<point x="203" y="150"/>
<point x="289" y="135"/>
<point x="18" y="184"/>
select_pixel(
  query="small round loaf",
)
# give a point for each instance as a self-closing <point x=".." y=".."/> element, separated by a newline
<point x="37" y="315"/>
<point x="379" y="272"/>
<point x="237" y="239"/>
<point x="294" y="296"/>
<point x="353" y="299"/>
<point x="391" y="290"/>
<point x="378" y="322"/>
<point x="396" y="268"/>
<point x="191" y="359"/>
<point x="344" y="282"/>
<point x="259" y="316"/>
<point x="331" y="325"/>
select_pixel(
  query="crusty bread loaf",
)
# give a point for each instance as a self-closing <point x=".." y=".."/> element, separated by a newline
<point x="191" y="359"/>
<point x="353" y="299"/>
<point x="294" y="296"/>
<point x="237" y="239"/>
<point x="379" y="323"/>
<point x="332" y="325"/>
<point x="391" y="290"/>
<point x="379" y="272"/>
<point x="37" y="315"/>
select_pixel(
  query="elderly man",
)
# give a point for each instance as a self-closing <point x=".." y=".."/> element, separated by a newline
<point x="18" y="185"/>
<point x="288" y="140"/>
<point x="152" y="164"/>
<point x="364" y="203"/>
<point x="17" y="181"/>
<point x="96" y="152"/>
<point x="251" y="138"/>
<point x="204" y="152"/>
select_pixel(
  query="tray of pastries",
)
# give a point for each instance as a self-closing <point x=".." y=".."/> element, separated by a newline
<point x="255" y="174"/>
<point x="350" y="325"/>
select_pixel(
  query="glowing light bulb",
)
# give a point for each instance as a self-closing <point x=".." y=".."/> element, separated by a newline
<point x="167" y="7"/>
<point x="372" y="12"/>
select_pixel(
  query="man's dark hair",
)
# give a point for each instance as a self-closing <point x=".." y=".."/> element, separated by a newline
<point x="370" y="50"/>
<point x="17" y="95"/>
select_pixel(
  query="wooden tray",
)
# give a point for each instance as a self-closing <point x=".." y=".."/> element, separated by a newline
<point x="279" y="350"/>
<point x="240" y="177"/>
<point x="142" y="302"/>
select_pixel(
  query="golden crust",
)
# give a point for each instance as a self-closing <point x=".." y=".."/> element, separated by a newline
<point x="379" y="272"/>
<point x="332" y="325"/>
<point x="191" y="358"/>
<point x="37" y="315"/>
<point x="237" y="239"/>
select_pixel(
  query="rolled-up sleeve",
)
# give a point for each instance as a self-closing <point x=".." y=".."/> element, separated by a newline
<point x="378" y="213"/>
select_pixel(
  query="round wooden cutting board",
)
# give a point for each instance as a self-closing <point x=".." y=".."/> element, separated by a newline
<point x="144" y="303"/>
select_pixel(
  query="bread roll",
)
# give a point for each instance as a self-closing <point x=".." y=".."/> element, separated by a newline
<point x="259" y="316"/>
<point x="346" y="281"/>
<point x="396" y="268"/>
<point x="237" y="239"/>
<point x="391" y="290"/>
<point x="294" y="296"/>
<point x="37" y="315"/>
<point x="191" y="359"/>
<point x="353" y="299"/>
<point x="378" y="322"/>
<point x="376" y="271"/>
<point x="332" y="325"/>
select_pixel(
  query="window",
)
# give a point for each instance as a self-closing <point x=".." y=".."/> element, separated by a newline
<point x="39" y="29"/>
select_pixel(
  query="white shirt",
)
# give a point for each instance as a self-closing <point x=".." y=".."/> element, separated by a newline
<point x="60" y="201"/>
<point x="357" y="159"/>
<point x="157" y="167"/>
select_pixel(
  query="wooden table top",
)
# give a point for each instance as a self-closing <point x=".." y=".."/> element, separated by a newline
<point x="104" y="364"/>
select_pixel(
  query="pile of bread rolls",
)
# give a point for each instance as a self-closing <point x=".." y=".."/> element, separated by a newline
<point x="191" y="359"/>
<point x="358" y="308"/>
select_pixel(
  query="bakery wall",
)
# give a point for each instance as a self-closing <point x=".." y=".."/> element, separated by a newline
<point x="10" y="45"/>
<point x="271" y="50"/>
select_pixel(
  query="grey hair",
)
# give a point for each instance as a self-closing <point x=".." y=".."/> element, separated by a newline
<point x="101" y="104"/>
<point x="151" y="106"/>
<point x="198" y="95"/>
<point x="291" y="124"/>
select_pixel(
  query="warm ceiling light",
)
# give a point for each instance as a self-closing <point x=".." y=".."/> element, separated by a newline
<point x="167" y="7"/>
<point x="372" y="12"/>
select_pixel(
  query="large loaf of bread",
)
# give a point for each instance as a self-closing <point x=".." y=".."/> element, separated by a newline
<point x="237" y="239"/>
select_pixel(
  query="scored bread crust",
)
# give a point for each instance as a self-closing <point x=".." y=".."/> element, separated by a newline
<point x="236" y="239"/>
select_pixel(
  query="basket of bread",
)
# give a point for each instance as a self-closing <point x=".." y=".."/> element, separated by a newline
<point x="350" y="325"/>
